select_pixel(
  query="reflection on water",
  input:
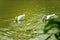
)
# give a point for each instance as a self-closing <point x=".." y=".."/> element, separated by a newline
<point x="31" y="27"/>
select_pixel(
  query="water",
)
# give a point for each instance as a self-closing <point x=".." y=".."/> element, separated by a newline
<point x="29" y="28"/>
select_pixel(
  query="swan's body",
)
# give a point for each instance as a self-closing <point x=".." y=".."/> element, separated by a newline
<point x="20" y="18"/>
<point x="50" y="16"/>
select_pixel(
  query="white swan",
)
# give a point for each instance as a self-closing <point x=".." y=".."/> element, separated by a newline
<point x="20" y="18"/>
<point x="46" y="18"/>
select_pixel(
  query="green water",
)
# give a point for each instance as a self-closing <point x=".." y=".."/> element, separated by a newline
<point x="31" y="26"/>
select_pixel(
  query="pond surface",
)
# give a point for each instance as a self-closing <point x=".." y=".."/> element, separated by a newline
<point x="31" y="26"/>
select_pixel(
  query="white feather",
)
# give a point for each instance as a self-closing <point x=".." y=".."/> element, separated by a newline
<point x="50" y="16"/>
